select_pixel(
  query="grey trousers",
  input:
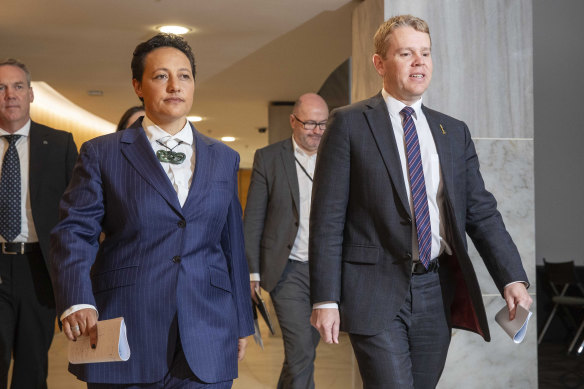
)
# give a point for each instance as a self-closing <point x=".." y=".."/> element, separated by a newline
<point x="411" y="351"/>
<point x="291" y="298"/>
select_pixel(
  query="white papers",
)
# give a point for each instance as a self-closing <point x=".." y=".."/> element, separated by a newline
<point x="517" y="328"/>
<point x="112" y="344"/>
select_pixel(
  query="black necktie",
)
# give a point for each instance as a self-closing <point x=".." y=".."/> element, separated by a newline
<point x="10" y="191"/>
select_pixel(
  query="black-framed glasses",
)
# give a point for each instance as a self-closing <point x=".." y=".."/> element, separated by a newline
<point x="310" y="125"/>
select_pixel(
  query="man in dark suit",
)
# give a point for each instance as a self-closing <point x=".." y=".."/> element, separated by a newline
<point x="276" y="235"/>
<point x="396" y="187"/>
<point x="36" y="166"/>
<point x="172" y="262"/>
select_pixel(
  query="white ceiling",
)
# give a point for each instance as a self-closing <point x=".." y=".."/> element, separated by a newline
<point x="248" y="53"/>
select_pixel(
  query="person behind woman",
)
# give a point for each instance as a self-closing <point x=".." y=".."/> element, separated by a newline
<point x="172" y="263"/>
<point x="129" y="117"/>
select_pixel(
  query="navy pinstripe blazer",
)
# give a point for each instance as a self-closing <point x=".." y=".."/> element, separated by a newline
<point x="159" y="261"/>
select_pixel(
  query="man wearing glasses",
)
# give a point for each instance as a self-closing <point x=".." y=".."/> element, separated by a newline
<point x="276" y="234"/>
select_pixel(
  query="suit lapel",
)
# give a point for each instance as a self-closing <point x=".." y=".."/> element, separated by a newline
<point x="287" y="154"/>
<point x="440" y="135"/>
<point x="380" y="126"/>
<point x="137" y="149"/>
<point x="203" y="161"/>
<point x="38" y="154"/>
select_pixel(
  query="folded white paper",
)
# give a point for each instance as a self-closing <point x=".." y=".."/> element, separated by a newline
<point x="112" y="344"/>
<point x="516" y="328"/>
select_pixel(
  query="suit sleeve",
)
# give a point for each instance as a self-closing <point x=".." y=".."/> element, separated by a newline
<point x="485" y="226"/>
<point x="330" y="197"/>
<point x="233" y="247"/>
<point x="74" y="241"/>
<point x="255" y="213"/>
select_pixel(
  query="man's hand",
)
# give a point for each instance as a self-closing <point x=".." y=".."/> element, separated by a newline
<point x="254" y="285"/>
<point x="241" y="345"/>
<point x="81" y="323"/>
<point x="327" y="322"/>
<point x="516" y="293"/>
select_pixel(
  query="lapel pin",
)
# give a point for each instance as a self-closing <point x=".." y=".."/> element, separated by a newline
<point x="442" y="128"/>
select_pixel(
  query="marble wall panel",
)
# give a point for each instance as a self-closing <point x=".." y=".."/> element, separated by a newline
<point x="483" y="60"/>
<point x="500" y="363"/>
<point x="507" y="169"/>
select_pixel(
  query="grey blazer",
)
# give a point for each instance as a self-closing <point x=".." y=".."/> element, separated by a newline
<point x="271" y="216"/>
<point x="360" y="222"/>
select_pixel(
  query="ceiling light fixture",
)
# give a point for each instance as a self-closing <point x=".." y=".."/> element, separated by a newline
<point x="179" y="30"/>
<point x="227" y="138"/>
<point x="194" y="118"/>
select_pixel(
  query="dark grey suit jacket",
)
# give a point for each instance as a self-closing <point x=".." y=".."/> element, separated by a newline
<point x="52" y="156"/>
<point x="360" y="226"/>
<point x="271" y="215"/>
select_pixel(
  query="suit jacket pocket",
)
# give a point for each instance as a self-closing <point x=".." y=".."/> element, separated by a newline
<point x="361" y="254"/>
<point x="220" y="279"/>
<point x="114" y="278"/>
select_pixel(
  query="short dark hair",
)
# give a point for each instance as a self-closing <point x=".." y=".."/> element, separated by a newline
<point x="157" y="41"/>
<point x="122" y="125"/>
<point x="18" y="64"/>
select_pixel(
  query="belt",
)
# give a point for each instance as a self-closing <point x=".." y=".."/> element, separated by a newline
<point x="418" y="267"/>
<point x="15" y="248"/>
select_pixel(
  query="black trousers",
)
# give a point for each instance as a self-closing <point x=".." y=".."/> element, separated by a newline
<point x="411" y="352"/>
<point x="27" y="320"/>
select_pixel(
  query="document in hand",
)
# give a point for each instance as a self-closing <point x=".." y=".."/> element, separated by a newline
<point x="112" y="344"/>
<point x="516" y="328"/>
<point x="263" y="308"/>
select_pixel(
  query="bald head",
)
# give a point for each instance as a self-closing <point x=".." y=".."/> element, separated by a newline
<point x="308" y="121"/>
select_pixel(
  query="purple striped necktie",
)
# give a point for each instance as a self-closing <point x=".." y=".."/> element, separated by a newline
<point x="417" y="187"/>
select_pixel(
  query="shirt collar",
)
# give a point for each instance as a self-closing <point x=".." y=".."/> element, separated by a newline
<point x="394" y="106"/>
<point x="154" y="133"/>
<point x="23" y="131"/>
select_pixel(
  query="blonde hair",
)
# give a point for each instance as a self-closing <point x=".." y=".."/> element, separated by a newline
<point x="383" y="32"/>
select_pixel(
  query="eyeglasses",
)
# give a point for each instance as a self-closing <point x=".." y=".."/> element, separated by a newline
<point x="310" y="125"/>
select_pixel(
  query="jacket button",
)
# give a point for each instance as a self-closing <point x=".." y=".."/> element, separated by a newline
<point x="408" y="256"/>
<point x="182" y="223"/>
<point x="176" y="259"/>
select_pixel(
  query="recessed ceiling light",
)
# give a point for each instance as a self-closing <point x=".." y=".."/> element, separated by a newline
<point x="179" y="30"/>
<point x="227" y="138"/>
<point x="194" y="118"/>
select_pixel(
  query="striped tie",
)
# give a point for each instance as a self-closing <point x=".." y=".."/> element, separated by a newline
<point x="418" y="187"/>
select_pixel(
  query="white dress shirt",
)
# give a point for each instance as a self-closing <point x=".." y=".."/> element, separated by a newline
<point x="27" y="230"/>
<point x="300" y="248"/>
<point x="181" y="175"/>
<point x="431" y="167"/>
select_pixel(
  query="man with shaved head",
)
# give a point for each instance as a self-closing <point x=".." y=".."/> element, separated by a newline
<point x="276" y="235"/>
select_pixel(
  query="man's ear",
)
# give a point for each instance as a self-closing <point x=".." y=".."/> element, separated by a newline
<point x="378" y="63"/>
<point x="31" y="94"/>
<point x="137" y="87"/>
